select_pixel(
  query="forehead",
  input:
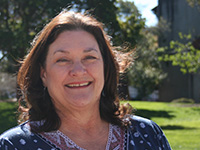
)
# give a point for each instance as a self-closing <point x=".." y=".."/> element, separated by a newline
<point x="74" y="39"/>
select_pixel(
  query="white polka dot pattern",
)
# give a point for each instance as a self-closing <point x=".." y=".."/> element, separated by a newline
<point x="142" y="134"/>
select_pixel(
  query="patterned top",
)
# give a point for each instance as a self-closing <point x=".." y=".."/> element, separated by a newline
<point x="61" y="141"/>
<point x="142" y="134"/>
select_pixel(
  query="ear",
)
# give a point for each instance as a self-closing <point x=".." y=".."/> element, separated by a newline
<point x="43" y="76"/>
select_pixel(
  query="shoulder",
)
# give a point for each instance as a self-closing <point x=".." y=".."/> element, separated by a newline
<point x="21" y="138"/>
<point x="138" y="119"/>
<point x="147" y="132"/>
<point x="22" y="130"/>
<point x="15" y="135"/>
<point x="144" y="125"/>
<point x="18" y="131"/>
<point x="141" y="122"/>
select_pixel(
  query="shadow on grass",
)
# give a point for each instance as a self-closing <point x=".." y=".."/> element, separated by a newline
<point x="176" y="127"/>
<point x="7" y="118"/>
<point x="153" y="113"/>
<point x="197" y="109"/>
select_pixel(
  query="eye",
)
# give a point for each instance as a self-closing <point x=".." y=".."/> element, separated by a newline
<point x="90" y="58"/>
<point x="62" y="60"/>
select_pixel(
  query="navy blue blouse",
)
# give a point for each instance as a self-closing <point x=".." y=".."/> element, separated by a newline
<point x="142" y="134"/>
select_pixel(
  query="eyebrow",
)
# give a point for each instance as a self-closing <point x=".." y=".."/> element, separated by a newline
<point x="61" y="51"/>
<point x="89" y="50"/>
<point x="85" y="51"/>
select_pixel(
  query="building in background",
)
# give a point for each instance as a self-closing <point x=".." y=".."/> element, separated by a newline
<point x="185" y="19"/>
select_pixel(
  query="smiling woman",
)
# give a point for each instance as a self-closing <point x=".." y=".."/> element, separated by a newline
<point x="74" y="80"/>
<point x="69" y="83"/>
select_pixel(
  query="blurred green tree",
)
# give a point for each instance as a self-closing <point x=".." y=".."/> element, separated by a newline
<point x="183" y="53"/>
<point x="105" y="11"/>
<point x="19" y="22"/>
<point x="146" y="73"/>
<point x="131" y="23"/>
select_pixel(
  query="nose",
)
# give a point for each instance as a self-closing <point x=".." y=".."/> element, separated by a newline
<point x="77" y="69"/>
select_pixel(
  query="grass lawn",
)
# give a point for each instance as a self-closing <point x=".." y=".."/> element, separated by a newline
<point x="180" y="122"/>
<point x="7" y="115"/>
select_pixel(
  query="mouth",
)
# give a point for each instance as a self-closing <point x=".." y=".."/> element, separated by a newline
<point x="78" y="85"/>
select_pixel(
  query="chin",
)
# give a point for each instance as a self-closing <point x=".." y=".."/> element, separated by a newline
<point x="84" y="102"/>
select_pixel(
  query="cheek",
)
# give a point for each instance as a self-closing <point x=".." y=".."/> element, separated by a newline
<point x="98" y="72"/>
<point x="55" y="76"/>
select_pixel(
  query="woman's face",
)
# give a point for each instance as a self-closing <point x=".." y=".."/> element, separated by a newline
<point x="73" y="72"/>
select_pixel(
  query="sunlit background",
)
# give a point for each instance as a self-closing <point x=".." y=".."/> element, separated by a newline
<point x="145" y="7"/>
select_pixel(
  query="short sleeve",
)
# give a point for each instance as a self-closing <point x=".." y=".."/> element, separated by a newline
<point x="21" y="138"/>
<point x="146" y="134"/>
<point x="160" y="136"/>
<point x="5" y="144"/>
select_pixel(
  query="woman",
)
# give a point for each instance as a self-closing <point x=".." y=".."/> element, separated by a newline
<point x="69" y="83"/>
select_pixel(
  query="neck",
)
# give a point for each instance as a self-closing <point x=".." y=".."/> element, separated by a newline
<point x="85" y="120"/>
<point x="85" y="128"/>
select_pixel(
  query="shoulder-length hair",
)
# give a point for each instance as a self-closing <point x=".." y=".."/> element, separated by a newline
<point x="39" y="106"/>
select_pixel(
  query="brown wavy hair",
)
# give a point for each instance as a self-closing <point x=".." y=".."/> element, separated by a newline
<point x="39" y="106"/>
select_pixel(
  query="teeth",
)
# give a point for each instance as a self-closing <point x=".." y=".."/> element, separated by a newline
<point x="78" y="85"/>
<point x="84" y="84"/>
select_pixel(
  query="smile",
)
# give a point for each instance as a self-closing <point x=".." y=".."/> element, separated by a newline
<point x="78" y="85"/>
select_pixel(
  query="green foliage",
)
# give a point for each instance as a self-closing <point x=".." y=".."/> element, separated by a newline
<point x="105" y="11"/>
<point x="146" y="73"/>
<point x="20" y="21"/>
<point x="131" y="23"/>
<point x="182" y="54"/>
